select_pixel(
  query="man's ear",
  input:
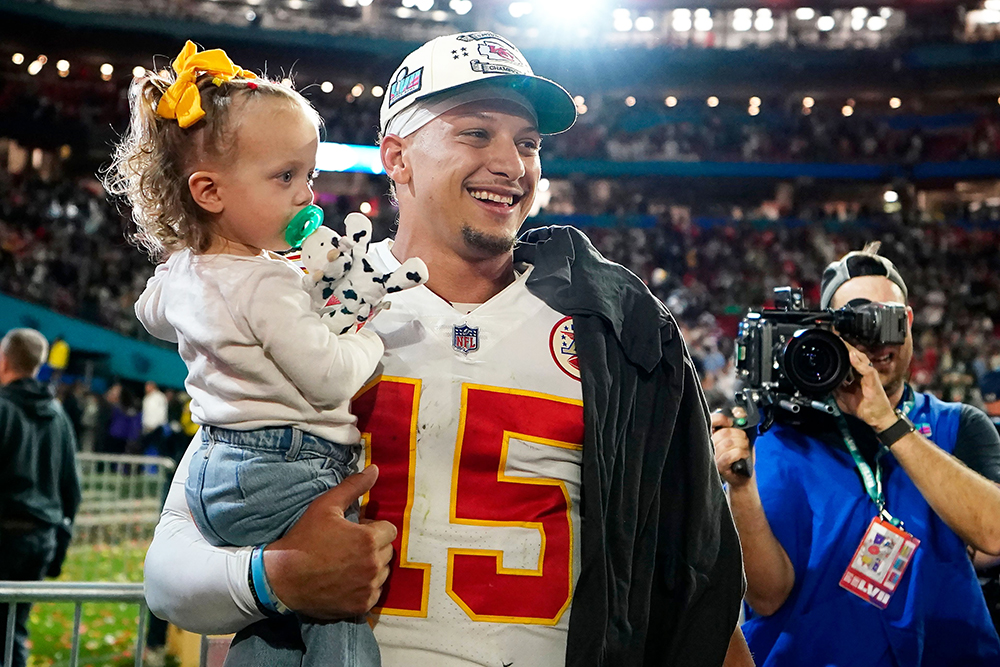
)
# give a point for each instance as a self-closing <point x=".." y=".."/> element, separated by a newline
<point x="394" y="160"/>
<point x="204" y="187"/>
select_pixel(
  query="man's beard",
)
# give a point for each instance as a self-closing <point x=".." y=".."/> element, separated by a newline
<point x="491" y="244"/>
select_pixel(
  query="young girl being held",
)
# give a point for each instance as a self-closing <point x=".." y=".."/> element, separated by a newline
<point x="215" y="164"/>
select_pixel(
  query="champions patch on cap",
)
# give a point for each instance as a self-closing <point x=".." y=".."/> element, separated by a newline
<point x="854" y="265"/>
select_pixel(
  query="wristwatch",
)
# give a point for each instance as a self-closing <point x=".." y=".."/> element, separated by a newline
<point x="897" y="431"/>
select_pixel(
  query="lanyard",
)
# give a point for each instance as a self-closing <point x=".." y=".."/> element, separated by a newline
<point x="872" y="481"/>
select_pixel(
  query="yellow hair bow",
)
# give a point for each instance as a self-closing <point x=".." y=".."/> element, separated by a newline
<point x="182" y="100"/>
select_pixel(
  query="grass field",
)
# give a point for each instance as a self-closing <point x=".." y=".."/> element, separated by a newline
<point x="107" y="630"/>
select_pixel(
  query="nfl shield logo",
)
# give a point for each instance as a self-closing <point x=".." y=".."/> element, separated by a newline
<point x="465" y="338"/>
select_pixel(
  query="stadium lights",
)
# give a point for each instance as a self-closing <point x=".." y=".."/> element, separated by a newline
<point x="404" y="13"/>
<point x="703" y="20"/>
<point x="712" y="101"/>
<point x="365" y="208"/>
<point x="326" y="87"/>
<point x="859" y="13"/>
<point x="519" y="9"/>
<point x="825" y="23"/>
<point x="63" y="66"/>
<point x="857" y="23"/>
<point x="250" y="16"/>
<point x="630" y="101"/>
<point x="17" y="58"/>
<point x="886" y="12"/>
<point x="544" y="185"/>
<point x="364" y="3"/>
<point x="42" y="58"/>
<point x="806" y="111"/>
<point x="425" y="5"/>
<point x="138" y="71"/>
<point x="582" y="109"/>
<point x="753" y="111"/>
<point x="578" y="100"/>
<point x="755" y="101"/>
<point x="742" y="19"/>
<point x="805" y="13"/>
<point x="622" y="21"/>
<point x="847" y="110"/>
<point x="349" y="3"/>
<point x="35" y="67"/>
<point x="460" y="7"/>
<point x="876" y="23"/>
<point x="671" y="101"/>
<point x="295" y="4"/>
<point x="378" y="91"/>
<point x="644" y="23"/>
<point x="681" y="20"/>
<point x="895" y="103"/>
<point x="991" y="4"/>
<point x="358" y="90"/>
<point x="286" y="82"/>
<point x="891" y="196"/>
<point x="808" y="102"/>
<point x="107" y="69"/>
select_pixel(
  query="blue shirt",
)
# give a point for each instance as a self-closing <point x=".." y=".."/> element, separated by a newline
<point x="816" y="505"/>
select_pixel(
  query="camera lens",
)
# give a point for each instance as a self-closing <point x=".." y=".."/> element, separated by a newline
<point x="815" y="361"/>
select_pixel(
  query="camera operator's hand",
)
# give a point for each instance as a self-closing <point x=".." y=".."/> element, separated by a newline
<point x="731" y="445"/>
<point x="864" y="397"/>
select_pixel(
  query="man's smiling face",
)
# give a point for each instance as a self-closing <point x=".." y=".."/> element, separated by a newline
<point x="475" y="170"/>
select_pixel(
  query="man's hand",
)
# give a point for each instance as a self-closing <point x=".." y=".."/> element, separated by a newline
<point x="864" y="397"/>
<point x="731" y="445"/>
<point x="327" y="567"/>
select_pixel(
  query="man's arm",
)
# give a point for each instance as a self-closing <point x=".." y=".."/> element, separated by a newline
<point x="965" y="500"/>
<point x="769" y="571"/>
<point x="189" y="582"/>
<point x="738" y="654"/>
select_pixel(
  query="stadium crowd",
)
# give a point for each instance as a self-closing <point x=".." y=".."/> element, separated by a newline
<point x="62" y="246"/>
<point x="84" y="115"/>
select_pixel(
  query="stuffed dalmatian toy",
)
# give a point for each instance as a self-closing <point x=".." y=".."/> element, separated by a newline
<point x="344" y="286"/>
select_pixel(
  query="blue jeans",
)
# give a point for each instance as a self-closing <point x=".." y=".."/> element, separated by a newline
<point x="247" y="488"/>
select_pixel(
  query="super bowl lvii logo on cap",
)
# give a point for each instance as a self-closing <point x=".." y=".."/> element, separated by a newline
<point x="406" y="84"/>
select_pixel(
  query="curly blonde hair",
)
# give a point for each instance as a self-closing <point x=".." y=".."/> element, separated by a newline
<point x="152" y="162"/>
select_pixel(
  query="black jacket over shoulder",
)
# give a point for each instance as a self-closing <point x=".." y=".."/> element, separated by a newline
<point x="661" y="576"/>
<point x="38" y="476"/>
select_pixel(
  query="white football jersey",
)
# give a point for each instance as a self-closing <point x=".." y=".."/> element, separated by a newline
<point x="476" y="424"/>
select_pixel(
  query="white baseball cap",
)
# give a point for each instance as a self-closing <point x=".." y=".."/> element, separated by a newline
<point x="471" y="60"/>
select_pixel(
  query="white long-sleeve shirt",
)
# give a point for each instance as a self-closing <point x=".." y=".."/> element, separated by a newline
<point x="257" y="354"/>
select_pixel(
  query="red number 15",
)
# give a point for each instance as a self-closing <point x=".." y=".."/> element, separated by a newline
<point x="482" y="494"/>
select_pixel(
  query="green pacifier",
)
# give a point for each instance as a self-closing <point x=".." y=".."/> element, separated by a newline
<point x="305" y="222"/>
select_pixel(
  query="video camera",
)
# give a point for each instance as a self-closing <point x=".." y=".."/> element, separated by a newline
<point x="790" y="357"/>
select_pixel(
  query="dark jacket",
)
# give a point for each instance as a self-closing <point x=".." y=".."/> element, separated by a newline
<point x="661" y="577"/>
<point x="38" y="475"/>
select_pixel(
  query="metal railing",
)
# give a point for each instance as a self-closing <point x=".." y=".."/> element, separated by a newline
<point x="122" y="496"/>
<point x="20" y="592"/>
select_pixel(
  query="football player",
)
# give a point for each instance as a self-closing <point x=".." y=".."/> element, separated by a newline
<point x="546" y="488"/>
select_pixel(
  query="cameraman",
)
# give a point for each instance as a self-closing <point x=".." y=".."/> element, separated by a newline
<point x="805" y="516"/>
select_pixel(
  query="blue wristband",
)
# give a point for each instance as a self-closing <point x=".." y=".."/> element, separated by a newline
<point x="260" y="586"/>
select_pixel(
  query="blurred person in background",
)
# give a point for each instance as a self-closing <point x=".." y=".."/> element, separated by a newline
<point x="39" y="487"/>
<point x="925" y="469"/>
<point x="154" y="418"/>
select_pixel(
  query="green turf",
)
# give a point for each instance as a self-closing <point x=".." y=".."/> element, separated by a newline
<point x="107" y="629"/>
